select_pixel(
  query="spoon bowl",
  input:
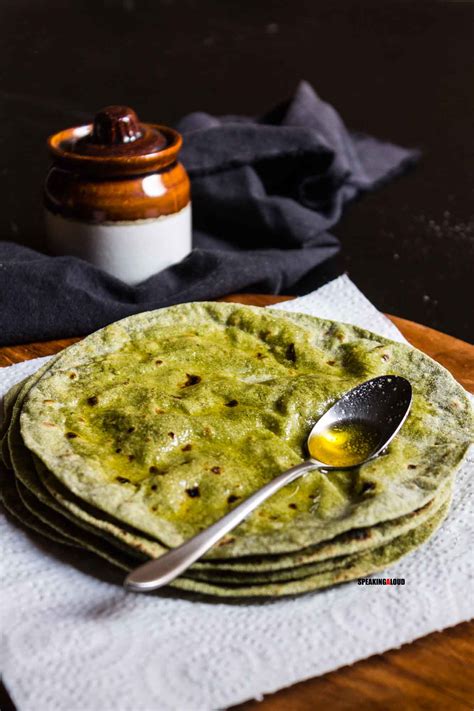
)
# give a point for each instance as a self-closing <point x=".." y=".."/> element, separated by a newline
<point x="355" y="430"/>
<point x="361" y="423"/>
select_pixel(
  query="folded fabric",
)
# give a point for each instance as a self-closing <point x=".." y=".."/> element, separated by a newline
<point x="265" y="191"/>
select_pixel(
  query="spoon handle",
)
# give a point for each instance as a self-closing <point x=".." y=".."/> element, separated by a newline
<point x="161" y="571"/>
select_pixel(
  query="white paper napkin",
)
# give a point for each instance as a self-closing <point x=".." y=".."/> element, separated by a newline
<point x="73" y="643"/>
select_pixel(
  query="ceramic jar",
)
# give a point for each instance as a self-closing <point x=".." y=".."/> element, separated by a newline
<point x="117" y="196"/>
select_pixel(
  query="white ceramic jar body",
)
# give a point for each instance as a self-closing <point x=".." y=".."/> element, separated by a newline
<point x="131" y="250"/>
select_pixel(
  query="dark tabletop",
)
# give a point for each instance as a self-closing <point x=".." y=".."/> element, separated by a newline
<point x="402" y="71"/>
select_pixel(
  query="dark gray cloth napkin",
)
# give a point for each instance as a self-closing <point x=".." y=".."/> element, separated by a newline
<point x="265" y="191"/>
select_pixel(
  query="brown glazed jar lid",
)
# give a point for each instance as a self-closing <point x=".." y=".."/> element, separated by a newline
<point x="115" y="144"/>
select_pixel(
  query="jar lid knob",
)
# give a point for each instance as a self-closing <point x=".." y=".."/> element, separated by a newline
<point x="114" y="125"/>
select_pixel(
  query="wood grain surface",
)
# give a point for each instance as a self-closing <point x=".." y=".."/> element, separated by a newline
<point x="433" y="673"/>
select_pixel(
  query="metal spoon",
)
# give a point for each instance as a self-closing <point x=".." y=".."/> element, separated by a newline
<point x="377" y="407"/>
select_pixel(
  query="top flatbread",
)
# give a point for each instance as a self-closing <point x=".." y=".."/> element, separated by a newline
<point x="165" y="419"/>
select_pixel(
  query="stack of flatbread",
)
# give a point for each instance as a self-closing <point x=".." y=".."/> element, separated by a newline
<point x="133" y="440"/>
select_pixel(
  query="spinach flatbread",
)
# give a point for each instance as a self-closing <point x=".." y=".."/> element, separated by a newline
<point x="165" y="420"/>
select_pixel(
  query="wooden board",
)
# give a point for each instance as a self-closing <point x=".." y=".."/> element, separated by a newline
<point x="434" y="672"/>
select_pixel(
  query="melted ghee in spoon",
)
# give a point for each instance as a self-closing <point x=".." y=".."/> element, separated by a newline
<point x="345" y="443"/>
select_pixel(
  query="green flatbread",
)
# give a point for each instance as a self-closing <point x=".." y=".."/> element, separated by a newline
<point x="148" y="430"/>
<point x="162" y="419"/>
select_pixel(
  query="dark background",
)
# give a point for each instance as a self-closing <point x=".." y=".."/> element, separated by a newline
<point x="402" y="71"/>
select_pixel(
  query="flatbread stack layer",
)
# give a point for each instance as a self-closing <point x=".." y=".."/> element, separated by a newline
<point x="133" y="440"/>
